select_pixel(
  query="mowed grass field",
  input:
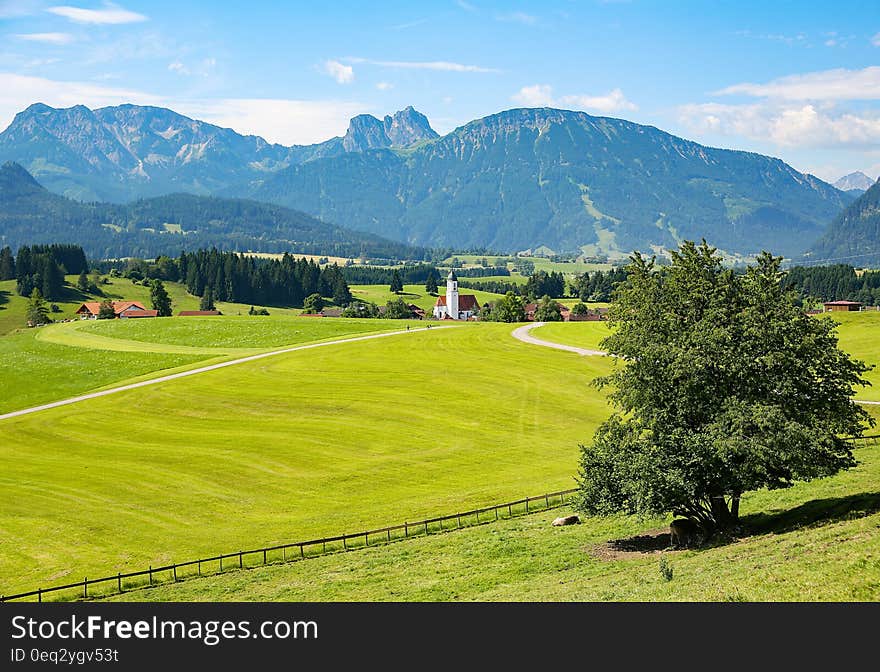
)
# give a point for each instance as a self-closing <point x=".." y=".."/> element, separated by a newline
<point x="817" y="541"/>
<point x="295" y="446"/>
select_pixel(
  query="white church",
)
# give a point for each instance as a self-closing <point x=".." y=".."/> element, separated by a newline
<point x="455" y="306"/>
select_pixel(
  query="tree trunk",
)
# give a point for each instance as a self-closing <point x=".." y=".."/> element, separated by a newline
<point x="734" y="508"/>
<point x="723" y="517"/>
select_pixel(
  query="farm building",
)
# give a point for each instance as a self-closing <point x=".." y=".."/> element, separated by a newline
<point x="842" y="305"/>
<point x="455" y="306"/>
<point x="121" y="309"/>
<point x="530" y="309"/>
<point x="198" y="313"/>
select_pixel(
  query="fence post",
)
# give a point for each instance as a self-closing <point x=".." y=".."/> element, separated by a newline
<point x="366" y="539"/>
<point x="85" y="586"/>
<point x="174" y="569"/>
<point x="151" y="575"/>
<point x="509" y="511"/>
<point x="200" y="567"/>
<point x="527" y="504"/>
<point x="119" y="581"/>
<point x="478" y="516"/>
<point x="39" y="594"/>
<point x="389" y="534"/>
<point x="496" y="513"/>
<point x="221" y="563"/>
<point x="240" y="565"/>
<point x="441" y="524"/>
<point x="458" y="516"/>
<point x="302" y="553"/>
<point x="547" y="501"/>
<point x="426" y="527"/>
<point x="405" y="529"/>
<point x="344" y="543"/>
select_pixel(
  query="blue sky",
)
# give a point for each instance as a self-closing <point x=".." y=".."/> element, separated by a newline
<point x="797" y="80"/>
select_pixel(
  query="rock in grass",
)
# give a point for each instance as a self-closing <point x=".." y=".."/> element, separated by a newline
<point x="573" y="519"/>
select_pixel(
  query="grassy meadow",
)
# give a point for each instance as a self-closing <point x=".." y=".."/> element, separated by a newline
<point x="415" y="294"/>
<point x="817" y="541"/>
<point x="295" y="446"/>
<point x="358" y="435"/>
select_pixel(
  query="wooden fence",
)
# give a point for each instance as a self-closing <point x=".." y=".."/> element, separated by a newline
<point x="299" y="550"/>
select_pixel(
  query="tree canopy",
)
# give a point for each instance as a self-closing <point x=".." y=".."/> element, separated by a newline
<point x="548" y="310"/>
<point x="722" y="385"/>
<point x="160" y="299"/>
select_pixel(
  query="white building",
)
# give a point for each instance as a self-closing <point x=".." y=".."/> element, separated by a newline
<point x="455" y="306"/>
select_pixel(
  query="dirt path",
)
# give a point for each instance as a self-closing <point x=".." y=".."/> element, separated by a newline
<point x="204" y="369"/>
<point x="522" y="334"/>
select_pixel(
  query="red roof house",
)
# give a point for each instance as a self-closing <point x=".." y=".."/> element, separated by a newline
<point x="121" y="309"/>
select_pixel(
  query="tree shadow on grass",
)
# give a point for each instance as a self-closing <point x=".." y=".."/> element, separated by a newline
<point x="814" y="512"/>
<point x="809" y="514"/>
<point x="4" y="298"/>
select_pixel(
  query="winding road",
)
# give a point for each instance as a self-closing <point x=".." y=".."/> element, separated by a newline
<point x="522" y="334"/>
<point x="204" y="369"/>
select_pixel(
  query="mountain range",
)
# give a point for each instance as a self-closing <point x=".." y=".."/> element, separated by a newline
<point x="30" y="214"/>
<point x="518" y="179"/>
<point x="856" y="182"/>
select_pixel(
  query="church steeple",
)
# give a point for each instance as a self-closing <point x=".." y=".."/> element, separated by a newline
<point x="452" y="294"/>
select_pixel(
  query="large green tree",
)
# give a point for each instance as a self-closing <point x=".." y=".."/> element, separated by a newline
<point x="396" y="282"/>
<point x="160" y="299"/>
<point x="548" y="310"/>
<point x="509" y="308"/>
<point x="722" y="386"/>
<point x="7" y="264"/>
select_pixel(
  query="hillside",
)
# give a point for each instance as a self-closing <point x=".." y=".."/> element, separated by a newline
<point x="854" y="235"/>
<point x="530" y="177"/>
<point x="131" y="151"/>
<point x="30" y="214"/>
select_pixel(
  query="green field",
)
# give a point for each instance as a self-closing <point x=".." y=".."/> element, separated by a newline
<point x="416" y="294"/>
<point x="342" y="438"/>
<point x="289" y="447"/>
<point x="13" y="308"/>
<point x="580" y="334"/>
<point x="814" y="542"/>
<point x="541" y="263"/>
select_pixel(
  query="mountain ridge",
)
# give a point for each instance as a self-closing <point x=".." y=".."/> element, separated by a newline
<point x="30" y="214"/>
<point x="854" y="235"/>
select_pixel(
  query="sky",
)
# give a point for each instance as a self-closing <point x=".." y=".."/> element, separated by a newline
<point x="796" y="80"/>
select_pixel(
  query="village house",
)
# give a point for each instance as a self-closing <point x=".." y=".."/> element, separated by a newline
<point x="455" y="306"/>
<point x="531" y="308"/>
<point x="121" y="309"/>
<point x="831" y="306"/>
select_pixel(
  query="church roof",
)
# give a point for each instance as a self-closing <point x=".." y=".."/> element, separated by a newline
<point x="465" y="302"/>
<point x="452" y="275"/>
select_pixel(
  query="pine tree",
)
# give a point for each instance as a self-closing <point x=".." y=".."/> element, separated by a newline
<point x="37" y="311"/>
<point x="207" y="302"/>
<point x="160" y="299"/>
<point x="431" y="283"/>
<point x="7" y="264"/>
<point x="396" y="282"/>
<point x="82" y="282"/>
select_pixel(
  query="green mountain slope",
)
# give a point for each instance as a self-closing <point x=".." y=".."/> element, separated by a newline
<point x="530" y="177"/>
<point x="854" y="235"/>
<point x="30" y="214"/>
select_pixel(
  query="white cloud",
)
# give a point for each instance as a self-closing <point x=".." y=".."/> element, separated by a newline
<point x="384" y="86"/>
<point x="111" y="14"/>
<point x="541" y="95"/>
<point x="838" y="84"/>
<point x="48" y="38"/>
<point x="288" y="122"/>
<point x="518" y="17"/>
<point x="283" y="121"/>
<point x="445" y="66"/>
<point x="466" y="6"/>
<point x="178" y="67"/>
<point x="785" y="125"/>
<point x="19" y="91"/>
<point x="613" y="101"/>
<point x="876" y="40"/>
<point x="343" y="74"/>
